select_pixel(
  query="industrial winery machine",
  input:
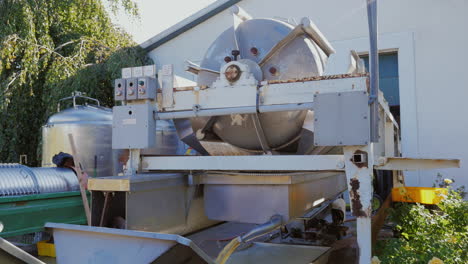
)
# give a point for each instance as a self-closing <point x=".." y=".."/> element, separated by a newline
<point x="278" y="143"/>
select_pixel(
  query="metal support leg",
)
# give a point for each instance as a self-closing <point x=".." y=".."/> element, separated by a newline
<point x="105" y="207"/>
<point x="359" y="165"/>
<point x="261" y="134"/>
<point x="208" y="126"/>
<point x="133" y="163"/>
<point x="259" y="128"/>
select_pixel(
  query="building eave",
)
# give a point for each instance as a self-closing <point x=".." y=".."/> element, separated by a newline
<point x="188" y="23"/>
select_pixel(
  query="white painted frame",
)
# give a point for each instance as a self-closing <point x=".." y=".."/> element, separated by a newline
<point x="246" y="163"/>
<point x="403" y="44"/>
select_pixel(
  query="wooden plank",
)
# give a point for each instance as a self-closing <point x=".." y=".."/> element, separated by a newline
<point x="79" y="175"/>
<point x="379" y="218"/>
<point x="109" y="185"/>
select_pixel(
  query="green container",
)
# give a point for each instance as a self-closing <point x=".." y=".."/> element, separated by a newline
<point x="27" y="214"/>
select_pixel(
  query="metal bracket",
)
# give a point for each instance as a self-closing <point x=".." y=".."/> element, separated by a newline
<point x="359" y="159"/>
<point x="372" y="99"/>
<point x="166" y="79"/>
<point x="23" y="159"/>
<point x="206" y="128"/>
<point x="398" y="163"/>
<point x="261" y="134"/>
<point x="259" y="129"/>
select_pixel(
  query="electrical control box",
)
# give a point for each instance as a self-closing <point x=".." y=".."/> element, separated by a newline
<point x="131" y="87"/>
<point x="119" y="90"/>
<point x="146" y="88"/>
<point x="133" y="127"/>
<point x="346" y="125"/>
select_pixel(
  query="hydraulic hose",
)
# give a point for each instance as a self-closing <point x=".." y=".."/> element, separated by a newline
<point x="275" y="222"/>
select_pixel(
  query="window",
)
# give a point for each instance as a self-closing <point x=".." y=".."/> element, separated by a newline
<point x="388" y="80"/>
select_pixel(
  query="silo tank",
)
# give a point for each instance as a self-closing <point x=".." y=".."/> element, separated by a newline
<point x="91" y="127"/>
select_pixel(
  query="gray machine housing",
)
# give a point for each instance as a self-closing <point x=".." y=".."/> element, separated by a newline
<point x="347" y="111"/>
<point x="133" y="127"/>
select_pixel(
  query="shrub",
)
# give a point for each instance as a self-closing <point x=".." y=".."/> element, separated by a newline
<point x="425" y="234"/>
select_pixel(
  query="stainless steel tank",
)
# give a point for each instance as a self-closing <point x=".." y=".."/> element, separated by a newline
<point x="275" y="52"/>
<point x="167" y="141"/>
<point x="16" y="179"/>
<point x="91" y="127"/>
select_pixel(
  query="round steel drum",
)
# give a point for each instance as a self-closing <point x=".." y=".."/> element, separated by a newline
<point x="298" y="59"/>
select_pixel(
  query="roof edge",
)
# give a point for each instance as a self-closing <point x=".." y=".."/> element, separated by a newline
<point x="188" y="23"/>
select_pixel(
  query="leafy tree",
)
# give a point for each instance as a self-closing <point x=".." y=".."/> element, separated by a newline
<point x="49" y="49"/>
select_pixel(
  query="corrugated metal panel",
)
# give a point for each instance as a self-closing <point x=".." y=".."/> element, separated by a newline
<point x="17" y="179"/>
<point x="56" y="180"/>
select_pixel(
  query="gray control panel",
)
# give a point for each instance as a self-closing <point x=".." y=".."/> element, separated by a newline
<point x="137" y="83"/>
<point x="133" y="127"/>
<point x="341" y="119"/>
<point x="146" y="88"/>
<point x="131" y="87"/>
<point x="119" y="90"/>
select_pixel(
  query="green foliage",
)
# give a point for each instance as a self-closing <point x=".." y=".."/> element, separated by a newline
<point x="424" y="233"/>
<point x="441" y="182"/>
<point x="49" y="49"/>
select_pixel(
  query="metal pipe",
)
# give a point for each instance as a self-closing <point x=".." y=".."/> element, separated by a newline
<point x="261" y="230"/>
<point x="241" y="13"/>
<point x="74" y="96"/>
<point x="285" y="107"/>
<point x="311" y="29"/>
<point x="206" y="112"/>
<point x="374" y="70"/>
<point x="233" y="110"/>
<point x="196" y="69"/>
<point x="275" y="222"/>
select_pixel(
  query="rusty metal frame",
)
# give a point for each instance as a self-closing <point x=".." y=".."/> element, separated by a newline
<point x="359" y="176"/>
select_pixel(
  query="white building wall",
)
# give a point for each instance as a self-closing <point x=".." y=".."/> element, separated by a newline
<point x="431" y="37"/>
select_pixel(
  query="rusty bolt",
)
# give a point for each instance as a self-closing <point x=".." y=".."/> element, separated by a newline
<point x="235" y="53"/>
<point x="254" y="51"/>
<point x="273" y="70"/>
<point x="227" y="59"/>
<point x="232" y="73"/>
